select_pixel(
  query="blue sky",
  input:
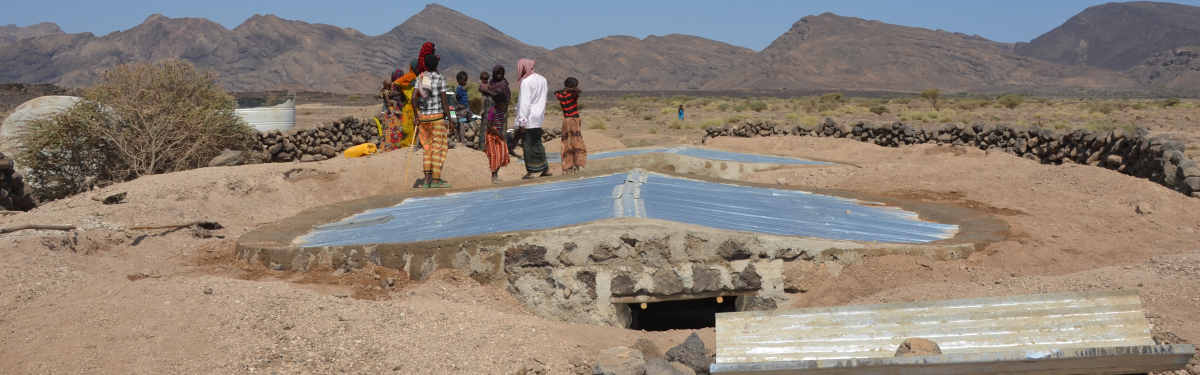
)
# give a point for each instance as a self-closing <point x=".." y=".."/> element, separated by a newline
<point x="551" y="24"/>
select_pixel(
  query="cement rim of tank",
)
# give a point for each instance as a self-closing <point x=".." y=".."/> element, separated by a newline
<point x="977" y="228"/>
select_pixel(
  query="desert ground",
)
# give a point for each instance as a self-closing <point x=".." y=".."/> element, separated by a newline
<point x="109" y="299"/>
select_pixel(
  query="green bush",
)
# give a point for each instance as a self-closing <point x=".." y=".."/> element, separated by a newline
<point x="832" y="97"/>
<point x="653" y="131"/>
<point x="647" y="117"/>
<point x="354" y="98"/>
<point x="723" y="107"/>
<point x="740" y="108"/>
<point x="157" y="117"/>
<point x="1011" y="101"/>
<point x="676" y="125"/>
<point x="792" y="117"/>
<point x="1138" y="106"/>
<point x="1171" y="102"/>
<point x="901" y="100"/>
<point x="879" y="109"/>
<point x="714" y="122"/>
<point x="758" y="106"/>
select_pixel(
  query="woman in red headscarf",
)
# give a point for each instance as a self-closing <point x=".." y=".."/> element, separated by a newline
<point x="426" y="49"/>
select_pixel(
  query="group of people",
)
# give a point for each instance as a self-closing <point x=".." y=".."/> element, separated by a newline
<point x="418" y="106"/>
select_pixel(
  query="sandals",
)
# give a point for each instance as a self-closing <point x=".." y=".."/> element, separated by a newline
<point x="440" y="185"/>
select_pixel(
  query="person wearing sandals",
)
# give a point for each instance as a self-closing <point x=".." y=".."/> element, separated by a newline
<point x="531" y="112"/>
<point x="434" y="113"/>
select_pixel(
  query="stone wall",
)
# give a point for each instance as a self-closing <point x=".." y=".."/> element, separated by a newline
<point x="1138" y="154"/>
<point x="14" y="193"/>
<point x="329" y="140"/>
<point x="588" y="274"/>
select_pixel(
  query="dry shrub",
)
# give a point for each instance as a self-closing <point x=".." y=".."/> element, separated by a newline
<point x="139" y="119"/>
<point x="65" y="154"/>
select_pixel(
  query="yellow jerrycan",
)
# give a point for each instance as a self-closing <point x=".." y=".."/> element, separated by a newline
<point x="361" y="150"/>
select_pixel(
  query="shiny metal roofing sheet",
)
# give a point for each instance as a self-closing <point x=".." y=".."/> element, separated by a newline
<point x="783" y="212"/>
<point x="696" y="153"/>
<point x="829" y="337"/>
<point x="637" y="194"/>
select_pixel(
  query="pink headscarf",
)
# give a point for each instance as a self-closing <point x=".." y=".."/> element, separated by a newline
<point x="524" y="69"/>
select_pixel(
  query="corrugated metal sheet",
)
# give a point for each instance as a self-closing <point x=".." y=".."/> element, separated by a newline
<point x="839" y="337"/>
<point x="637" y="194"/>
<point x="784" y="212"/>
<point x="697" y="153"/>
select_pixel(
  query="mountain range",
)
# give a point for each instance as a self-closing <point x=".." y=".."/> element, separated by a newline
<point x="1115" y="45"/>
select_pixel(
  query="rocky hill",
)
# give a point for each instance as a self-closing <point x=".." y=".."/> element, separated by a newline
<point x="267" y="52"/>
<point x="10" y="33"/>
<point x="1179" y="67"/>
<point x="819" y="52"/>
<point x="672" y="62"/>
<point x="831" y="51"/>
<point x="1117" y="36"/>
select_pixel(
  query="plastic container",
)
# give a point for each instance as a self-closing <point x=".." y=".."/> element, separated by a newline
<point x="364" y="149"/>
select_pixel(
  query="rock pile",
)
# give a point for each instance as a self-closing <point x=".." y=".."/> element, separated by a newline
<point x="316" y="144"/>
<point x="1138" y="154"/>
<point x="14" y="194"/>
<point x="689" y="358"/>
<point x="330" y="140"/>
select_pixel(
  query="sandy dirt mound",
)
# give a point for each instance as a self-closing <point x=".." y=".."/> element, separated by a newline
<point x="134" y="301"/>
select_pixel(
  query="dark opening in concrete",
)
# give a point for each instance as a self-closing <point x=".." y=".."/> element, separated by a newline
<point x="679" y="314"/>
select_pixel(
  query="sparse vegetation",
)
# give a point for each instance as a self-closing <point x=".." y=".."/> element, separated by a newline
<point x="676" y="125"/>
<point x="740" y="108"/>
<point x="935" y="97"/>
<point x="354" y="98"/>
<point x="1011" y="101"/>
<point x="758" y="106"/>
<point x="879" y="109"/>
<point x="597" y="123"/>
<point x="647" y="117"/>
<point x="1171" y="102"/>
<point x="653" y="131"/>
<point x="723" y="106"/>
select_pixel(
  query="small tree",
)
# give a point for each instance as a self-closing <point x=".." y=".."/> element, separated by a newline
<point x="1011" y="101"/>
<point x="758" y="106"/>
<point x="173" y="116"/>
<point x="935" y="96"/>
<point x="879" y="109"/>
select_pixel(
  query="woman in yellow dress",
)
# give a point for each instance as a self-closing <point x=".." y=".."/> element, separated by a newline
<point x="398" y="133"/>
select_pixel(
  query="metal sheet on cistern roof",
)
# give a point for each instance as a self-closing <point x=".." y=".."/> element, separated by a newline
<point x="636" y="194"/>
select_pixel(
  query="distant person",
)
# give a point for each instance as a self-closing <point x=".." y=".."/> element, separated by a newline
<point x="574" y="154"/>
<point x="485" y="109"/>
<point x="497" y="149"/>
<point x="681" y="112"/>
<point x="434" y="113"/>
<point x="531" y="112"/>
<point x="462" y="108"/>
<point x="402" y="116"/>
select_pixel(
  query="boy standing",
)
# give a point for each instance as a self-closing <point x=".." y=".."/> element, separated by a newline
<point x="574" y="154"/>
<point x="434" y="113"/>
<point x="463" y="108"/>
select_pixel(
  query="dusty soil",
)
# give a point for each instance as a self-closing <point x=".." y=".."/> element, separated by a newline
<point x="107" y="299"/>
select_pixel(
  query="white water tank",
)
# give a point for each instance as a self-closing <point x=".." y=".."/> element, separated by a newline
<point x="279" y="117"/>
<point x="35" y="109"/>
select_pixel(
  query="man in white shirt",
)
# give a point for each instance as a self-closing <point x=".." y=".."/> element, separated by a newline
<point x="531" y="111"/>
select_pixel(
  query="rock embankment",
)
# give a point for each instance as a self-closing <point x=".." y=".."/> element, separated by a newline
<point x="329" y="140"/>
<point x="14" y="193"/>
<point x="1139" y="154"/>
